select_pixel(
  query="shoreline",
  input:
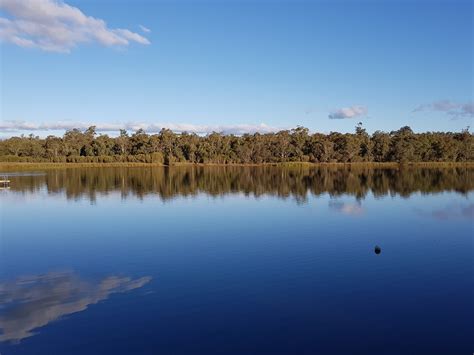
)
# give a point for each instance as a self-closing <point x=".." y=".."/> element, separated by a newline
<point x="378" y="165"/>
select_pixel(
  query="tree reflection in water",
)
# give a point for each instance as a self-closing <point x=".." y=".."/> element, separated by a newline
<point x="296" y="182"/>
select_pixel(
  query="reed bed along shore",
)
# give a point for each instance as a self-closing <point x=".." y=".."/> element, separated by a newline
<point x="6" y="166"/>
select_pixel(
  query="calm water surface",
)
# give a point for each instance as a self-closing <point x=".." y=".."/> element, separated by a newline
<point x="237" y="261"/>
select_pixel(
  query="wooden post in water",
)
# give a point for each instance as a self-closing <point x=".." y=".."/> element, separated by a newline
<point x="4" y="183"/>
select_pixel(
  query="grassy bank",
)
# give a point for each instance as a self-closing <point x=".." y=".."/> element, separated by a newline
<point x="5" y="166"/>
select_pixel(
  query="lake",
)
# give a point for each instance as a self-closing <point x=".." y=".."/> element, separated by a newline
<point x="237" y="260"/>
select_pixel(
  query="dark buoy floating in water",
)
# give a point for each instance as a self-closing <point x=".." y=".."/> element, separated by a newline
<point x="377" y="249"/>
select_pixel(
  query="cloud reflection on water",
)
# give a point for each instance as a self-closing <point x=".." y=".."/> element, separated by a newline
<point x="28" y="303"/>
<point x="453" y="211"/>
<point x="352" y="209"/>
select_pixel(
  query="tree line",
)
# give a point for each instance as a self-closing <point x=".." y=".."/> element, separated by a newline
<point x="295" y="145"/>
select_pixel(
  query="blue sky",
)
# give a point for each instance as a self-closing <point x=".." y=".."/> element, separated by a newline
<point x="236" y="66"/>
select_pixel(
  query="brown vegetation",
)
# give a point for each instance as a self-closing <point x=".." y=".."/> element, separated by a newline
<point x="296" y="145"/>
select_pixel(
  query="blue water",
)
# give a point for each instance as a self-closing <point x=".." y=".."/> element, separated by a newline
<point x="126" y="270"/>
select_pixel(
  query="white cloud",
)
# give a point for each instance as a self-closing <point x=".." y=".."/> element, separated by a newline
<point x="35" y="301"/>
<point x="144" y="29"/>
<point x="349" y="112"/>
<point x="18" y="126"/>
<point x="452" y="109"/>
<point x="352" y="209"/>
<point x="54" y="26"/>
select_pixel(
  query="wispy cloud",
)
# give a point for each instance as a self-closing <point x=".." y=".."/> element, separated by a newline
<point x="353" y="209"/>
<point x="144" y="29"/>
<point x="19" y="126"/>
<point x="453" y="211"/>
<point x="32" y="302"/>
<point x="57" y="27"/>
<point x="349" y="112"/>
<point x="453" y="109"/>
